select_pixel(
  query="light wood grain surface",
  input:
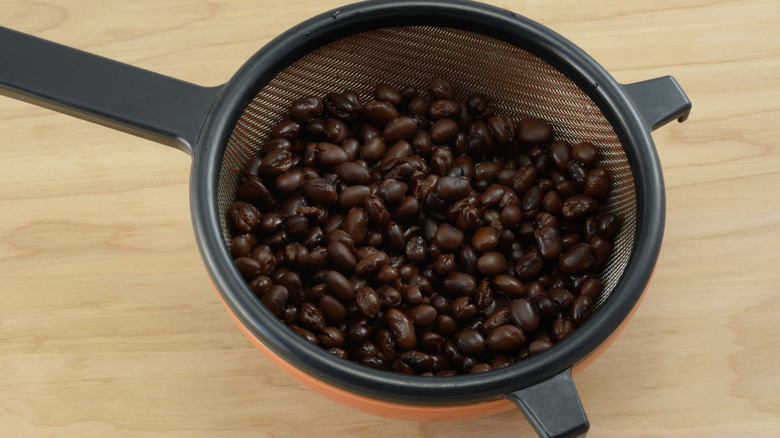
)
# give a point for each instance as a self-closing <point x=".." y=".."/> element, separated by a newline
<point x="109" y="325"/>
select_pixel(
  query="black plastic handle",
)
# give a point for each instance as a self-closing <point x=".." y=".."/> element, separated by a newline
<point x="100" y="90"/>
<point x="659" y="101"/>
<point x="553" y="407"/>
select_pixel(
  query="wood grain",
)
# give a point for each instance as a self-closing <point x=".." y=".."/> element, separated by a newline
<point x="109" y="325"/>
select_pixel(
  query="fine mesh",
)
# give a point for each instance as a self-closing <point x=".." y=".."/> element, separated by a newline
<point x="517" y="83"/>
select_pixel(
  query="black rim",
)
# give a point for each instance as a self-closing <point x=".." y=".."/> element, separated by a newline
<point x="500" y="24"/>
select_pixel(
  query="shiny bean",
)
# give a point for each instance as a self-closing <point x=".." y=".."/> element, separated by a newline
<point x="505" y="338"/>
<point x="402" y="328"/>
<point x="451" y="189"/>
<point x="508" y="285"/>
<point x="353" y="173"/>
<point x="534" y="132"/>
<point x="459" y="284"/>
<point x="491" y="263"/>
<point x="353" y="196"/>
<point x="339" y="285"/>
<point x="448" y="238"/>
<point x="585" y="152"/>
<point x="470" y="342"/>
<point x="400" y="128"/>
<point x="368" y="302"/>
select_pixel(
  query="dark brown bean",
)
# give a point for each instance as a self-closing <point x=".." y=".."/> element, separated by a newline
<point x="368" y="302"/>
<point x="244" y="216"/>
<point x="342" y="106"/>
<point x="370" y="264"/>
<point x="339" y="285"/>
<point x="444" y="108"/>
<point x="276" y="162"/>
<point x="470" y="342"/>
<point x="341" y="257"/>
<point x="503" y="128"/>
<point x="591" y="288"/>
<point x="539" y="346"/>
<point x="319" y="191"/>
<point x="549" y="240"/>
<point x="530" y="265"/>
<point x="459" y="284"/>
<point x="422" y="315"/>
<point x="443" y="130"/>
<point x="401" y="128"/>
<point x="353" y="196"/>
<point x="310" y="316"/>
<point x="374" y="206"/>
<point x="402" y="328"/>
<point x="585" y="152"/>
<point x="394" y="237"/>
<point x="578" y="207"/>
<point x="505" y="338"/>
<point x="524" y="179"/>
<point x="608" y="226"/>
<point x="534" y="132"/>
<point x="601" y="250"/>
<point x="379" y="112"/>
<point x="275" y="298"/>
<point x="392" y="191"/>
<point x="581" y="309"/>
<point x="524" y="315"/>
<point x="597" y="183"/>
<point x="448" y="238"/>
<point x="356" y="225"/>
<point x="305" y="108"/>
<point x="576" y="260"/>
<point x="508" y="285"/>
<point x="387" y="93"/>
<point x="333" y="310"/>
<point x="373" y="149"/>
<point x="353" y="173"/>
<point x="329" y="155"/>
<point x="491" y="263"/>
<point x="463" y="309"/>
<point x="452" y="189"/>
<point x="331" y="337"/>
<point x="387" y="274"/>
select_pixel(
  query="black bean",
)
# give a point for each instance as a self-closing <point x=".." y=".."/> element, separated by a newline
<point x="534" y="132"/>
<point x="585" y="152"/>
<point x="353" y="173"/>
<point x="448" y="238"/>
<point x="368" y="302"/>
<point x="244" y="216"/>
<point x="505" y="338"/>
<point x="491" y="263"/>
<point x="402" y="328"/>
<point x="319" y="191"/>
<point x="387" y="93"/>
<point x="470" y="342"/>
<point x="379" y="112"/>
<point x="400" y="128"/>
<point x="339" y="285"/>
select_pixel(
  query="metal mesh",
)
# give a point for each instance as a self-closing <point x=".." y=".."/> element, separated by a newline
<point x="518" y="84"/>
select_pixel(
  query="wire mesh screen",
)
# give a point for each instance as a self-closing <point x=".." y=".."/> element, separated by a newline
<point x="518" y="84"/>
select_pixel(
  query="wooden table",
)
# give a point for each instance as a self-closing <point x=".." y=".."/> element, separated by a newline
<point x="109" y="325"/>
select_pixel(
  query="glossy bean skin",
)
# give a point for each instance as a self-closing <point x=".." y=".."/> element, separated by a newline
<point x="401" y="328"/>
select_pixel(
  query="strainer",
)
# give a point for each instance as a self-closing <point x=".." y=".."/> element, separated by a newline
<point x="525" y="69"/>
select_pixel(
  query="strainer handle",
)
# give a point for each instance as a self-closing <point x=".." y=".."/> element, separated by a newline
<point x="103" y="91"/>
<point x="659" y="101"/>
<point x="553" y="407"/>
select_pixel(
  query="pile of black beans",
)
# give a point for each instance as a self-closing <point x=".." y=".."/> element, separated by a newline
<point x="422" y="234"/>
